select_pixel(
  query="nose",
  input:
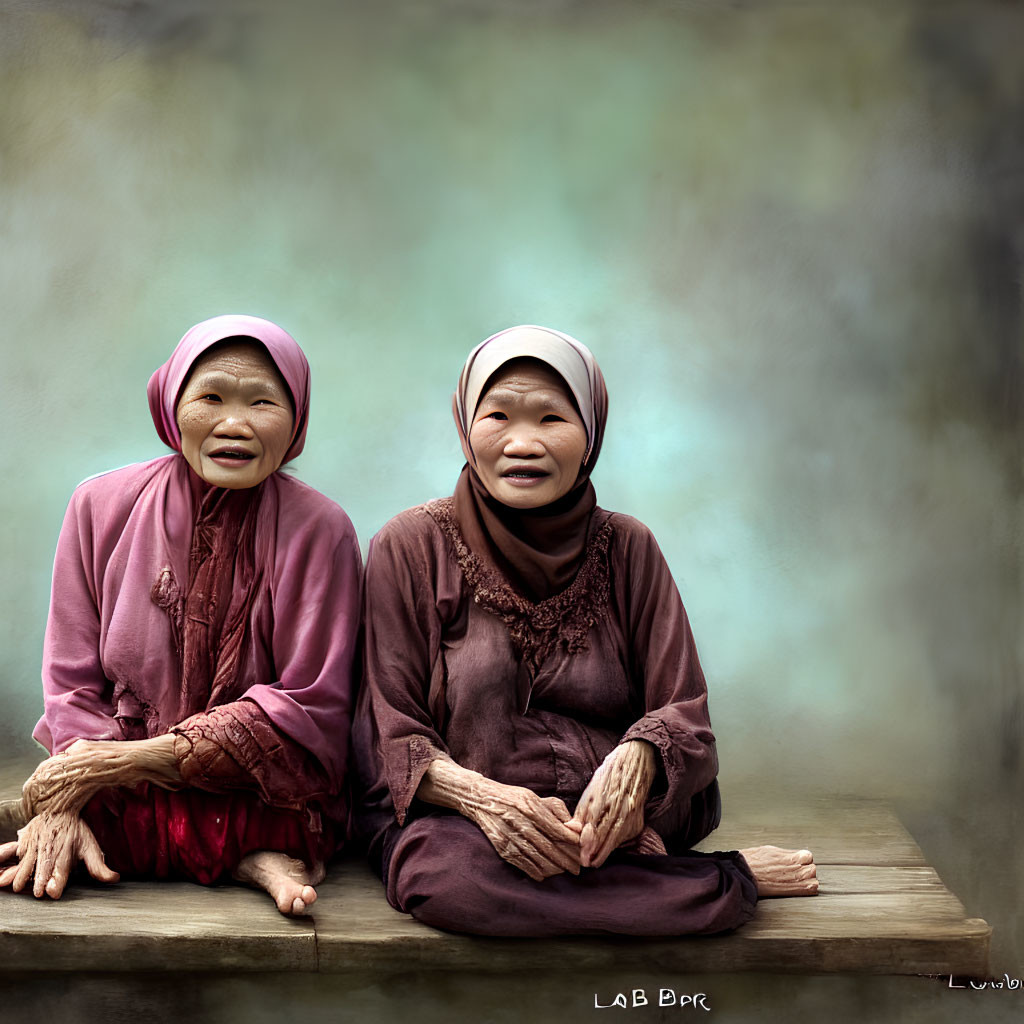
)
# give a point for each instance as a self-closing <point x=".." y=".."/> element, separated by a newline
<point x="522" y="443"/>
<point x="234" y="421"/>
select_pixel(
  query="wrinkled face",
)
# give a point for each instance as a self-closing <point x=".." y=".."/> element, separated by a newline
<point x="527" y="436"/>
<point x="235" y="416"/>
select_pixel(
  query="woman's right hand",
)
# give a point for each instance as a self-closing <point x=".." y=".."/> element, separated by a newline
<point x="47" y="849"/>
<point x="530" y="832"/>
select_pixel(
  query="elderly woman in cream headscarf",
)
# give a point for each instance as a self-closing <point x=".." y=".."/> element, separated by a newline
<point x="533" y="734"/>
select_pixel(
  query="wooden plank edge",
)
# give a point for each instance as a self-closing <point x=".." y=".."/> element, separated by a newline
<point x="965" y="955"/>
<point x="25" y="951"/>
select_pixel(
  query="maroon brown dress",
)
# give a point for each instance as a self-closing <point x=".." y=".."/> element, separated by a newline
<point x="459" y="663"/>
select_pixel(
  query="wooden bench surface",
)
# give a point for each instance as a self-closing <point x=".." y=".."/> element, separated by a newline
<point x="881" y="910"/>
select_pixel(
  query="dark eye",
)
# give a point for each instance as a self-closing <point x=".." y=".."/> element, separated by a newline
<point x="552" y="418"/>
<point x="495" y="416"/>
<point x="210" y="397"/>
<point x="264" y="401"/>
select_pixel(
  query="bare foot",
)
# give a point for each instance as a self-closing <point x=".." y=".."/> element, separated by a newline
<point x="781" y="872"/>
<point x="288" y="880"/>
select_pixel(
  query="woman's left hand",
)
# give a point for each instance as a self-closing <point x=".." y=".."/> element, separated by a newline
<point x="67" y="781"/>
<point x="47" y="848"/>
<point x="611" y="810"/>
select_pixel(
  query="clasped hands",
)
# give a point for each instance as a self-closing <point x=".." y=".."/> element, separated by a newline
<point x="537" y="834"/>
<point x="56" y="838"/>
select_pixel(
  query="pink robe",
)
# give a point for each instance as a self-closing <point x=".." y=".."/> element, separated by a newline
<point x="265" y="758"/>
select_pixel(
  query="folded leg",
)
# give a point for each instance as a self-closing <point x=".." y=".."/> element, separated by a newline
<point x="444" y="872"/>
<point x="153" y="833"/>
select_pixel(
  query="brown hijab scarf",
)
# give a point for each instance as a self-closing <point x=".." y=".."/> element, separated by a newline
<point x="543" y="571"/>
<point x="540" y="549"/>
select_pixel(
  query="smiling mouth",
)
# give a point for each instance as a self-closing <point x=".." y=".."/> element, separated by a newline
<point x="233" y="456"/>
<point x="524" y="474"/>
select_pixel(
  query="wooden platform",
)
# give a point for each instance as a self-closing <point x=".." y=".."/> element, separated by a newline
<point x="881" y="910"/>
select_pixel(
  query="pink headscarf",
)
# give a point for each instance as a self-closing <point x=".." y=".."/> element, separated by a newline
<point x="166" y="384"/>
<point x="171" y="597"/>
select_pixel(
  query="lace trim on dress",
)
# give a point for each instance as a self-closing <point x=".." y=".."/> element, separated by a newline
<point x="536" y="629"/>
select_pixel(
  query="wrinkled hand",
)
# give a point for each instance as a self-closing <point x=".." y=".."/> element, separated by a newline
<point x="532" y="833"/>
<point x="648" y="842"/>
<point x="47" y="848"/>
<point x="611" y="810"/>
<point x="67" y="781"/>
<point x="528" y="831"/>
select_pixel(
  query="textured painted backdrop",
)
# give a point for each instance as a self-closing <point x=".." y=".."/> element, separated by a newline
<point x="792" y="233"/>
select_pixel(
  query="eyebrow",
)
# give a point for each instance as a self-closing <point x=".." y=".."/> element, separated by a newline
<point x="215" y="378"/>
<point x="538" y="396"/>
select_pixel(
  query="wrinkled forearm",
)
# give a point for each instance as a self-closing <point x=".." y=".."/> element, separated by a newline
<point x="66" y="782"/>
<point x="636" y="767"/>
<point x="447" y="784"/>
<point x="231" y="747"/>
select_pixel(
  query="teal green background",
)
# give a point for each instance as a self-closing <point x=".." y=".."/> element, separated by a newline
<point x="792" y="233"/>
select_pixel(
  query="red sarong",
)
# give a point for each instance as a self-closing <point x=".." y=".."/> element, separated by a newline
<point x="150" y="832"/>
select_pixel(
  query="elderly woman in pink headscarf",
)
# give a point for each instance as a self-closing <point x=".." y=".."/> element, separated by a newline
<point x="198" y="654"/>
